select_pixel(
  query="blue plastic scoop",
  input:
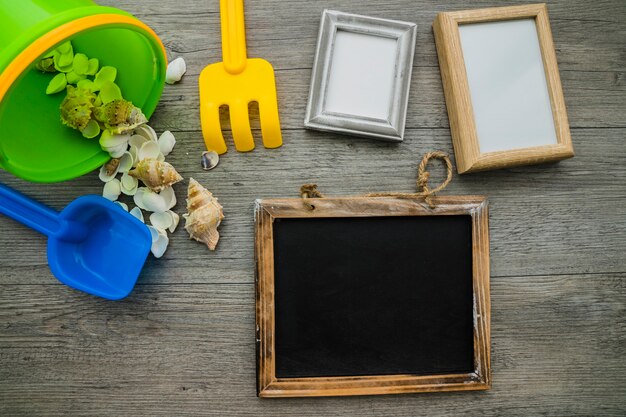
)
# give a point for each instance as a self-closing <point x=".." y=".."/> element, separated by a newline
<point x="93" y="244"/>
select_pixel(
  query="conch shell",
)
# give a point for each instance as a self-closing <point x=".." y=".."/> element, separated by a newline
<point x="204" y="215"/>
<point x="155" y="174"/>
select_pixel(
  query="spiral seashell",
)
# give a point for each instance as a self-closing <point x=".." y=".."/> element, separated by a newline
<point x="204" y="215"/>
<point x="155" y="174"/>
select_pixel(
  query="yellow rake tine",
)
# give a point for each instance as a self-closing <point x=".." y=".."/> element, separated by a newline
<point x="240" y="125"/>
<point x="211" y="128"/>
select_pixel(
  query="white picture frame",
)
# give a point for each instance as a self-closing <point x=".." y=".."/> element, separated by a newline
<point x="361" y="76"/>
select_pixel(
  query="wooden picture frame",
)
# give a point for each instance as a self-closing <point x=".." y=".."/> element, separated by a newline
<point x="370" y="103"/>
<point x="462" y="112"/>
<point x="267" y="212"/>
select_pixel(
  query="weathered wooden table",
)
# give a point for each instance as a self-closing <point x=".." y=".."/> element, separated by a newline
<point x="183" y="342"/>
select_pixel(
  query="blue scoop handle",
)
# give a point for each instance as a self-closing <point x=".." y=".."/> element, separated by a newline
<point x="39" y="217"/>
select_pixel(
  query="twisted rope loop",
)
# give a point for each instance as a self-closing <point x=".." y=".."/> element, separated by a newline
<point x="308" y="191"/>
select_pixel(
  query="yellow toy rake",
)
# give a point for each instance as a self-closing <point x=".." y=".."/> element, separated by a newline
<point x="236" y="82"/>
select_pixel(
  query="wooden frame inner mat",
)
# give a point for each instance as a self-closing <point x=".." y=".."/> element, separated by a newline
<point x="361" y="296"/>
<point x="502" y="87"/>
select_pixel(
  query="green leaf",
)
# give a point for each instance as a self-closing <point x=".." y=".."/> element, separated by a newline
<point x="93" y="66"/>
<point x="91" y="130"/>
<point x="81" y="64"/>
<point x="110" y="92"/>
<point x="57" y="84"/>
<point x="73" y="78"/>
<point x="105" y="74"/>
<point x="97" y="102"/>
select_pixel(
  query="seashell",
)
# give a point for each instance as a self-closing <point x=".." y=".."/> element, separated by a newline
<point x="159" y="245"/>
<point x="175" y="220"/>
<point x="137" y="141"/>
<point x="132" y="150"/>
<point x="204" y="215"/>
<point x="109" y="170"/>
<point x="175" y="70"/>
<point x="115" y="145"/>
<point x="126" y="162"/>
<point x="122" y="205"/>
<point x="148" y="200"/>
<point x="155" y="174"/>
<point x="161" y="221"/>
<point x="136" y="212"/>
<point x="120" y="116"/>
<point x="129" y="184"/>
<point x="209" y="160"/>
<point x="166" y="142"/>
<point x="147" y="132"/>
<point x="112" y="189"/>
<point x="149" y="150"/>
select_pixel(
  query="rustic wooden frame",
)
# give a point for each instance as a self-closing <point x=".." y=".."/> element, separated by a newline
<point x="458" y="98"/>
<point x="268" y="210"/>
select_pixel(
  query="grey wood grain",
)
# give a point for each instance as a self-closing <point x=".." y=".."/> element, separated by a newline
<point x="182" y="343"/>
<point x="187" y="350"/>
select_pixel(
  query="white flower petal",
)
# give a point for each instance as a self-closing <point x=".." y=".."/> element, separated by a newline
<point x="175" y="220"/>
<point x="129" y="184"/>
<point x="160" y="157"/>
<point x="167" y="142"/>
<point x="136" y="211"/>
<point x="161" y="220"/>
<point x="126" y="162"/>
<point x="175" y="70"/>
<point x="147" y="132"/>
<point x="112" y="190"/>
<point x="122" y="205"/>
<point x="160" y="245"/>
<point x="169" y="197"/>
<point x="148" y="150"/>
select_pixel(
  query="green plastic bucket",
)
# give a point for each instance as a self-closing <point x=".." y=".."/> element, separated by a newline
<point x="34" y="144"/>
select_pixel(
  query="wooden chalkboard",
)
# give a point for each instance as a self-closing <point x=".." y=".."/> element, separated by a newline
<point x="372" y="296"/>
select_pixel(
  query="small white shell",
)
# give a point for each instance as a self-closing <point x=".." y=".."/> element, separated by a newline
<point x="118" y="151"/>
<point x="115" y="145"/>
<point x="167" y="142"/>
<point x="136" y="211"/>
<point x="129" y="184"/>
<point x="104" y="176"/>
<point x="132" y="150"/>
<point x="161" y="220"/>
<point x="112" y="189"/>
<point x="147" y="132"/>
<point x="175" y="220"/>
<point x="175" y="70"/>
<point x="137" y="141"/>
<point x="148" y="200"/>
<point x="159" y="246"/>
<point x="126" y="162"/>
<point x="149" y="150"/>
<point x="154" y="233"/>
<point x="169" y="197"/>
<point x="122" y="205"/>
<point x="209" y="160"/>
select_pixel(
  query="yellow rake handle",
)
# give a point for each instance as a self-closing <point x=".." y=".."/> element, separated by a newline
<point x="233" y="36"/>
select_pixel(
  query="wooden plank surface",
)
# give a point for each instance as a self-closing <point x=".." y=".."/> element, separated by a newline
<point x="183" y="342"/>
